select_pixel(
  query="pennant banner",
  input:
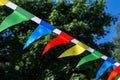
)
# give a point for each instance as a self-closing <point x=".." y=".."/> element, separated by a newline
<point x="40" y="31"/>
<point x="18" y="16"/>
<point x="60" y="39"/>
<point x="74" y="51"/>
<point x="3" y="2"/>
<point x="114" y="73"/>
<point x="107" y="64"/>
<point x="93" y="56"/>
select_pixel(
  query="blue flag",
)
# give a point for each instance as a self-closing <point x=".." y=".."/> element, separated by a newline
<point x="107" y="64"/>
<point x="43" y="29"/>
<point x="47" y="25"/>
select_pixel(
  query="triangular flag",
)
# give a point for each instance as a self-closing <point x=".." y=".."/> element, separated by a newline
<point x="41" y="30"/>
<point x="107" y="64"/>
<point x="83" y="45"/>
<point x="119" y="78"/>
<point x="3" y="2"/>
<point x="73" y="51"/>
<point x="63" y="38"/>
<point x="47" y="25"/>
<point x="114" y="73"/>
<point x="93" y="56"/>
<point x="18" y="16"/>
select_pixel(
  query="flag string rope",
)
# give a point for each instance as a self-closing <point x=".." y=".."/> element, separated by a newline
<point x="57" y="31"/>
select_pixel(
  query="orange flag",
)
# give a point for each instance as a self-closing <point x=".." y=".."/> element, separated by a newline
<point x="114" y="73"/>
<point x="63" y="38"/>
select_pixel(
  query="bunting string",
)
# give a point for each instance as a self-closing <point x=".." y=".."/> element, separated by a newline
<point x="20" y="15"/>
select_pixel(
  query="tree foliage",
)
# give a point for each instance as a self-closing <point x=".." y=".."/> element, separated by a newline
<point x="117" y="43"/>
<point x="86" y="22"/>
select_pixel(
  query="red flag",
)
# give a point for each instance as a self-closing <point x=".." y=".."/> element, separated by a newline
<point x="114" y="73"/>
<point x="63" y="38"/>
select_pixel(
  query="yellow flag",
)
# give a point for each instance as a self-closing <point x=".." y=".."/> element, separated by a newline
<point x="83" y="45"/>
<point x="3" y="2"/>
<point x="73" y="51"/>
<point x="119" y="78"/>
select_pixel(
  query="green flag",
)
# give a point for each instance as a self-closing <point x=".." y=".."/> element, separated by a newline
<point x="93" y="56"/>
<point x="18" y="16"/>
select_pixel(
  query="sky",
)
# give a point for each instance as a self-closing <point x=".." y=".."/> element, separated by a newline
<point x="113" y="7"/>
